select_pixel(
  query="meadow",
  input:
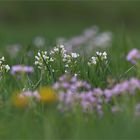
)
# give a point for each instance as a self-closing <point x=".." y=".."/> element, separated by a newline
<point x="65" y="81"/>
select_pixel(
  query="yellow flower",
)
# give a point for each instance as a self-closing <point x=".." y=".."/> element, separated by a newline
<point x="47" y="95"/>
<point x="20" y="101"/>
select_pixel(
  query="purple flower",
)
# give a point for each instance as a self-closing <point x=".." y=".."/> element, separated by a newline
<point x="133" y="55"/>
<point x="56" y="85"/>
<point x="97" y="92"/>
<point x="30" y="94"/>
<point x="134" y="84"/>
<point x="73" y="92"/>
<point x="65" y="85"/>
<point x="66" y="82"/>
<point x="108" y="94"/>
<point x="86" y="106"/>
<point x="21" y="69"/>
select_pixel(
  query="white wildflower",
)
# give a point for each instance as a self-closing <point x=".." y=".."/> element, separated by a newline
<point x="74" y="55"/>
<point x="43" y="58"/>
<point x="99" y="56"/>
<point x="94" y="60"/>
<point x="7" y="67"/>
<point x="3" y="67"/>
<point x="98" y="53"/>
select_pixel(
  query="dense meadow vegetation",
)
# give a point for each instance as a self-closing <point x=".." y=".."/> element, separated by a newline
<point x="84" y="86"/>
<point x="70" y="79"/>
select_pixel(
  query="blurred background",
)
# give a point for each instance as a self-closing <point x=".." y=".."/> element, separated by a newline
<point x="20" y="21"/>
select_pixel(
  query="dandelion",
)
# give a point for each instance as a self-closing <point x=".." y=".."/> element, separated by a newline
<point x="20" y="101"/>
<point x="47" y="95"/>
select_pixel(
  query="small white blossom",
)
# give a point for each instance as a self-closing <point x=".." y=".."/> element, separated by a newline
<point x="66" y="65"/>
<point x="61" y="46"/>
<point x="104" y="55"/>
<point x="41" y="57"/>
<point x="7" y="67"/>
<point x="74" y="55"/>
<point x="3" y="67"/>
<point x="2" y="59"/>
<point x="99" y="56"/>
<point x="56" y="49"/>
<point x="94" y="60"/>
<point x="98" y="53"/>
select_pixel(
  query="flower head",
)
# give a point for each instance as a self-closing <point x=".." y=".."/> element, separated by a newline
<point x="99" y="57"/>
<point x="42" y="58"/>
<point x="133" y="56"/>
<point x="47" y="95"/>
<point x="3" y="67"/>
<point x="21" y="69"/>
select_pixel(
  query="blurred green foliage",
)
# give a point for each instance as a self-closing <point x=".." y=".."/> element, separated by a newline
<point x="108" y="11"/>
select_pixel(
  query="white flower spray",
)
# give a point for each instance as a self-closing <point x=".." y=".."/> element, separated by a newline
<point x="58" y="59"/>
<point x="3" y="67"/>
<point x="99" y="57"/>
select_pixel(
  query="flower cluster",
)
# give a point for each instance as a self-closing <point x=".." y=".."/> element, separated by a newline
<point x="127" y="87"/>
<point x="133" y="56"/>
<point x="68" y="83"/>
<point x="43" y="59"/>
<point x="21" y="69"/>
<point x="99" y="57"/>
<point x="58" y="50"/>
<point x="3" y="67"/>
<point x="73" y="92"/>
<point x="58" y="53"/>
<point x="70" y="60"/>
<point x="91" y="38"/>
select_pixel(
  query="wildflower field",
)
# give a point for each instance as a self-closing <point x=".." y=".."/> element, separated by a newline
<point x="69" y="81"/>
